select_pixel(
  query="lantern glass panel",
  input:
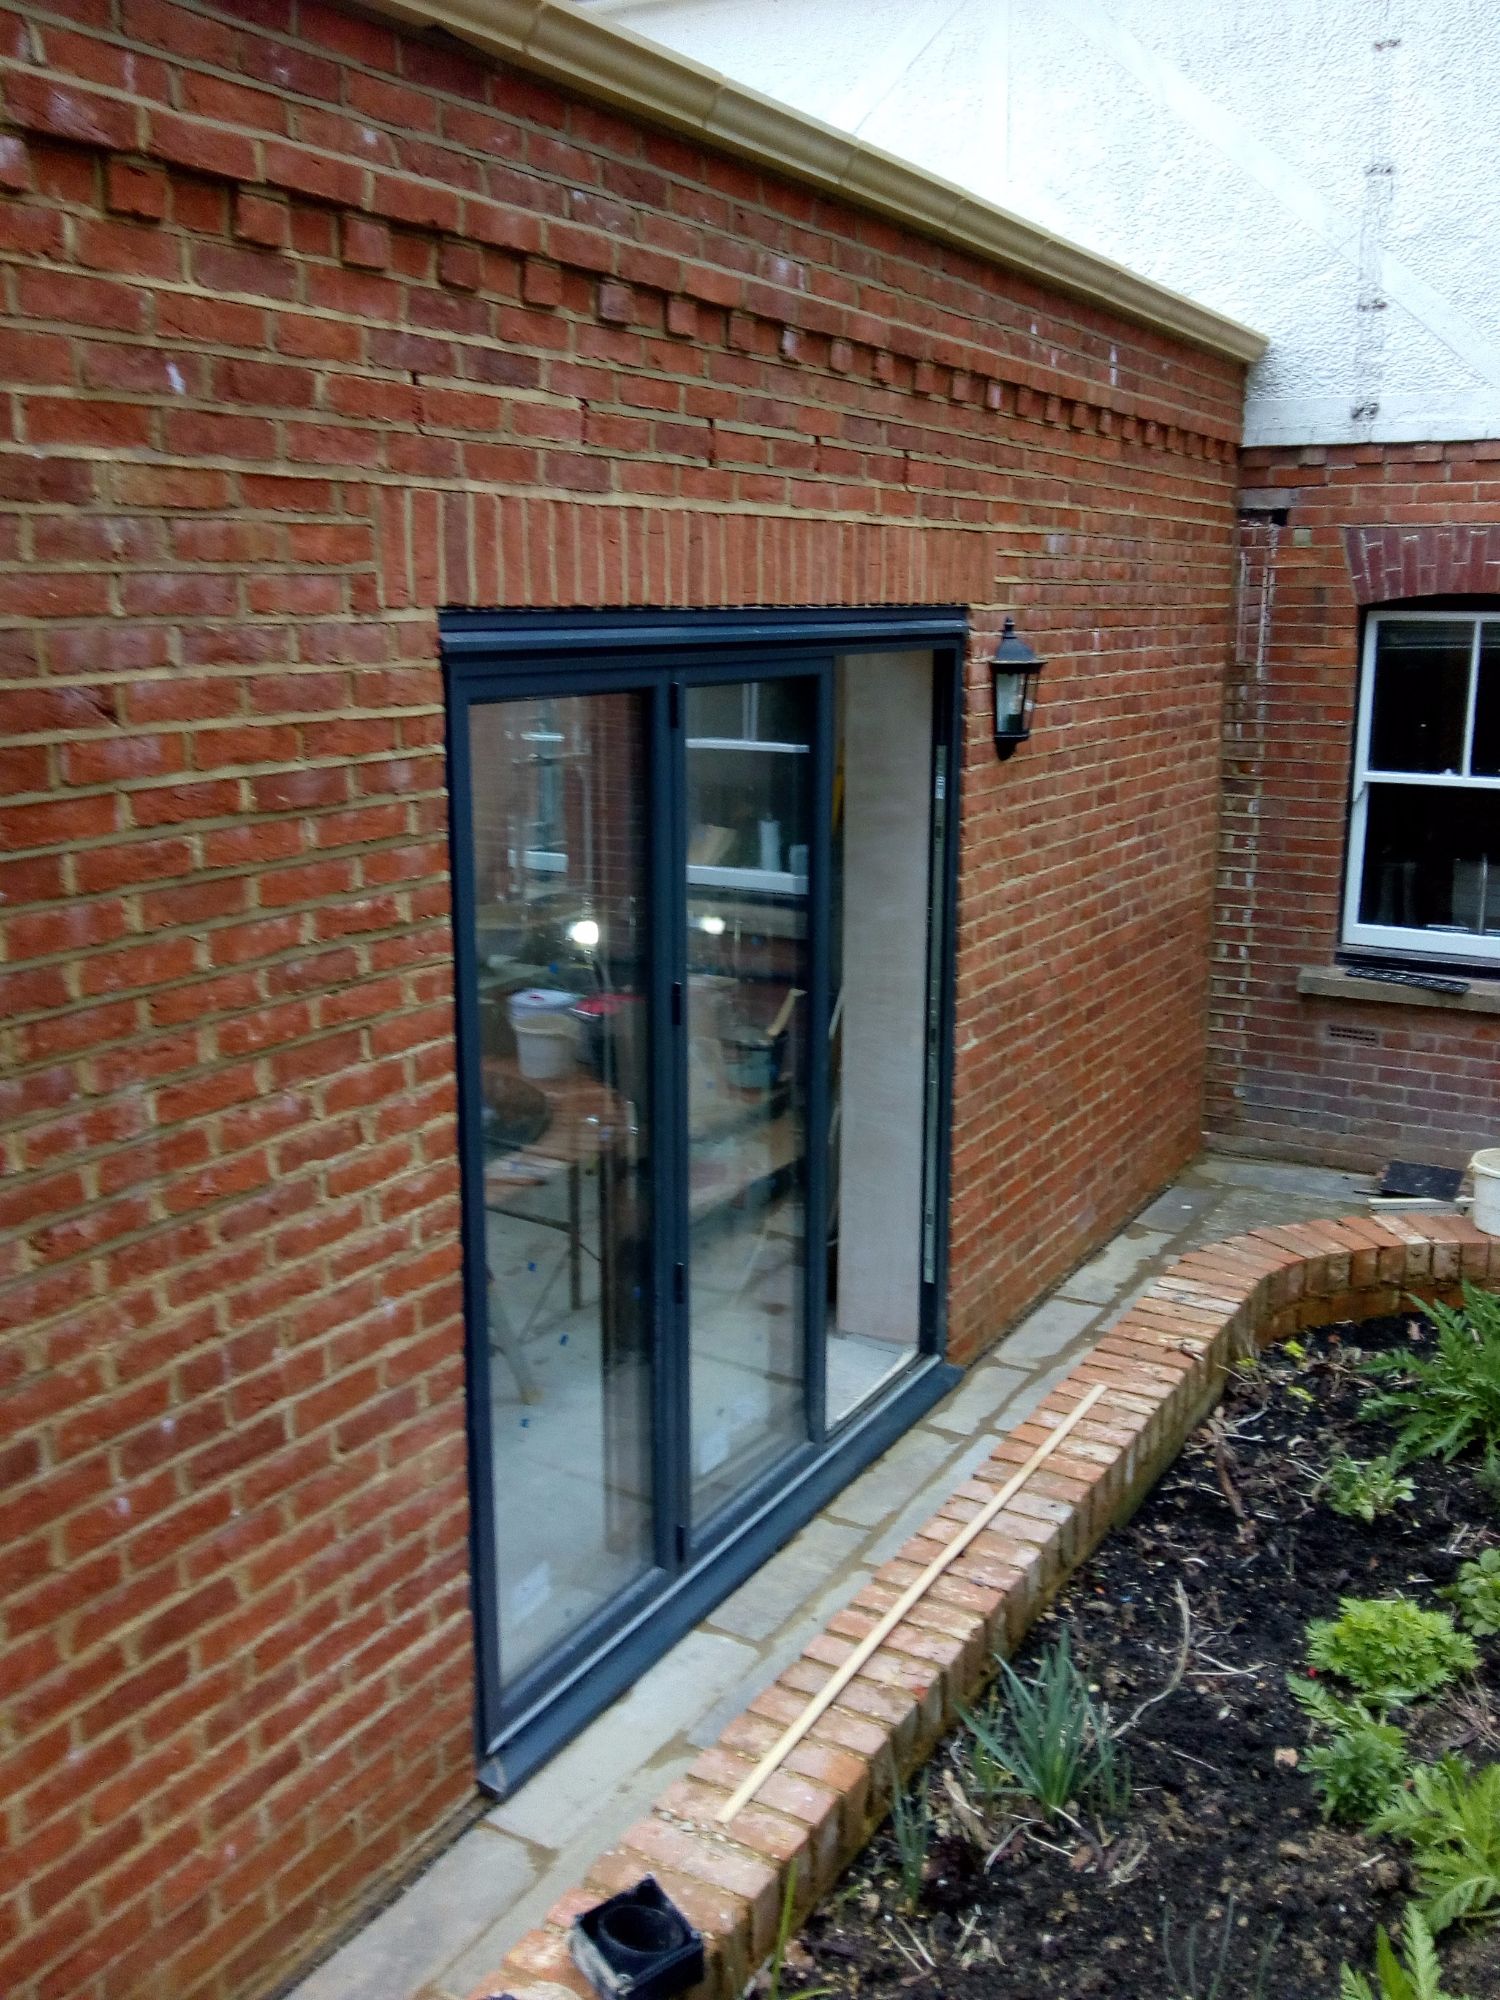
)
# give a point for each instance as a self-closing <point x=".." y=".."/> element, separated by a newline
<point x="1010" y="703"/>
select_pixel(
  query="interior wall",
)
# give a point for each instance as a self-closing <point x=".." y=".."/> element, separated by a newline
<point x="887" y="734"/>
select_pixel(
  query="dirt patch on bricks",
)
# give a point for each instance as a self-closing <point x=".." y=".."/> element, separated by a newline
<point x="1222" y="1825"/>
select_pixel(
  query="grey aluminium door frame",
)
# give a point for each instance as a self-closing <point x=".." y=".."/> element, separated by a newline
<point x="498" y="656"/>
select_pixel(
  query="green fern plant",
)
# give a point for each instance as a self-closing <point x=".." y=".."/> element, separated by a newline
<point x="1448" y="1401"/>
<point x="1476" y="1593"/>
<point x="1364" y="1489"/>
<point x="1451" y="1821"/>
<point x="1420" y="1978"/>
<point x="1359" y="1770"/>
<point x="1389" y="1648"/>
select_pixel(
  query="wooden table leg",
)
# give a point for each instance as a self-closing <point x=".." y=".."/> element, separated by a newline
<point x="575" y="1235"/>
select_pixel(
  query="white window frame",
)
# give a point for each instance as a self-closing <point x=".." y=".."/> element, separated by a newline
<point x="1401" y="939"/>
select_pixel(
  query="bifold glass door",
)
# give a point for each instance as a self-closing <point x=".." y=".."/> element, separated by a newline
<point x="702" y="960"/>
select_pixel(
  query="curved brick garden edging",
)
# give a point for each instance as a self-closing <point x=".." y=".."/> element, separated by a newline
<point x="1163" y="1362"/>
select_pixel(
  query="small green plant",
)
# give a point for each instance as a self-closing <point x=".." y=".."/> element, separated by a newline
<point x="778" y="1954"/>
<point x="1364" y="1489"/>
<point x="989" y="1773"/>
<point x="1361" y="1766"/>
<point x="1389" y="1648"/>
<point x="1476" y="1592"/>
<point x="1488" y="1476"/>
<point x="1050" y="1739"/>
<point x="911" y="1826"/>
<point x="1447" y="1401"/>
<point x="1451" y="1821"/>
<point x="1187" y="1980"/>
<point x="1419" y="1979"/>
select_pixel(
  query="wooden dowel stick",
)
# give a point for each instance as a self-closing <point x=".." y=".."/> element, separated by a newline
<point x="832" y="1688"/>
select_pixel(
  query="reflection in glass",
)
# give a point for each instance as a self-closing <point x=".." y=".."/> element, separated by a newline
<point x="1485" y="762"/>
<point x="1432" y="860"/>
<point x="882" y="844"/>
<point x="559" y="831"/>
<point x="1421" y="694"/>
<point x="748" y="780"/>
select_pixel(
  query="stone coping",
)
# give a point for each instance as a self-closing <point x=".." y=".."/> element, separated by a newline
<point x="605" y="60"/>
<point x="1163" y="1363"/>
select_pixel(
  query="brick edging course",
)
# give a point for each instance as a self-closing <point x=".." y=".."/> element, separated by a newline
<point x="1163" y="1363"/>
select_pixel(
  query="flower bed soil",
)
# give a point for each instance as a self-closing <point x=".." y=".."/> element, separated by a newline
<point x="1219" y="1807"/>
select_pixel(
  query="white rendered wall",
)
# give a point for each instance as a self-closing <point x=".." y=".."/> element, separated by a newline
<point x="1327" y="171"/>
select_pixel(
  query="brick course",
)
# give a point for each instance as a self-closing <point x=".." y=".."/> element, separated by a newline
<point x="1163" y="1364"/>
<point x="1343" y="1081"/>
<point x="311" y="329"/>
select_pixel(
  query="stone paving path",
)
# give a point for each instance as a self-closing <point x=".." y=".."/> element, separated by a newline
<point x="453" y="1925"/>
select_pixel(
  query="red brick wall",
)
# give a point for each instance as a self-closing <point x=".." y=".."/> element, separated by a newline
<point x="1350" y="1082"/>
<point x="310" y="330"/>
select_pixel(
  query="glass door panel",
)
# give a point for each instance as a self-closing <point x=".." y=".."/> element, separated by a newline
<point x="882" y="981"/>
<point x="559" y="825"/>
<point x="748" y="810"/>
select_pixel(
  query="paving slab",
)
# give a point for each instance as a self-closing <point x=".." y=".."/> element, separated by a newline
<point x="910" y="1462"/>
<point x="1119" y="1264"/>
<point x="466" y="1889"/>
<point x="1324" y="1184"/>
<point x="1175" y="1209"/>
<point x="1056" y="1324"/>
<point x="973" y="1405"/>
<point x="550" y="1807"/>
<point x="780" y="1587"/>
<point x="904" y="1520"/>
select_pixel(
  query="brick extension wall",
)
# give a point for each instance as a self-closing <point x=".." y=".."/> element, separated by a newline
<point x="309" y="330"/>
<point x="1346" y="1081"/>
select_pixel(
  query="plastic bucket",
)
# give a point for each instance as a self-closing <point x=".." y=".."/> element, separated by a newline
<point x="546" y="1046"/>
<point x="533" y="1000"/>
<point x="1485" y="1167"/>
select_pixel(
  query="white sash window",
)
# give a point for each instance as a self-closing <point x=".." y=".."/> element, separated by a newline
<point x="1424" y="829"/>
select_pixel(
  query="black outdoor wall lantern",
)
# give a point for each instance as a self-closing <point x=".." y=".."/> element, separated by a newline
<point x="1016" y="670"/>
<point x="637" y="1945"/>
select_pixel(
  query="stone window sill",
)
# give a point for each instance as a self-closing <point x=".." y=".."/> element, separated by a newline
<point x="1332" y="982"/>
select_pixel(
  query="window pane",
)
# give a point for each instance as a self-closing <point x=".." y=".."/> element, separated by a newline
<point x="1421" y="694"/>
<point x="1486" y="763"/>
<point x="717" y="710"/>
<point x="748" y="812"/>
<point x="882" y="850"/>
<point x="559" y="816"/>
<point x="1432" y="861"/>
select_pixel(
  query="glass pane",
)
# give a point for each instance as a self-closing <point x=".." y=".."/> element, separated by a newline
<point x="719" y="712"/>
<point x="748" y="811"/>
<point x="559" y="819"/>
<point x="1421" y="694"/>
<point x="882" y="844"/>
<point x="1486" y="758"/>
<point x="1432" y="860"/>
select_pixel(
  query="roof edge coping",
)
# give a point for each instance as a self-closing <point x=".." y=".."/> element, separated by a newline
<point x="615" y="65"/>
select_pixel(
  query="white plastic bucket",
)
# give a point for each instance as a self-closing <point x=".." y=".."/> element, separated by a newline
<point x="546" y="1046"/>
<point x="533" y="1000"/>
<point x="1485" y="1167"/>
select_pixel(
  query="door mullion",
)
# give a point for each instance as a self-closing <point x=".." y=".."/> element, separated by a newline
<point x="669" y="1011"/>
<point x="819" y="919"/>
